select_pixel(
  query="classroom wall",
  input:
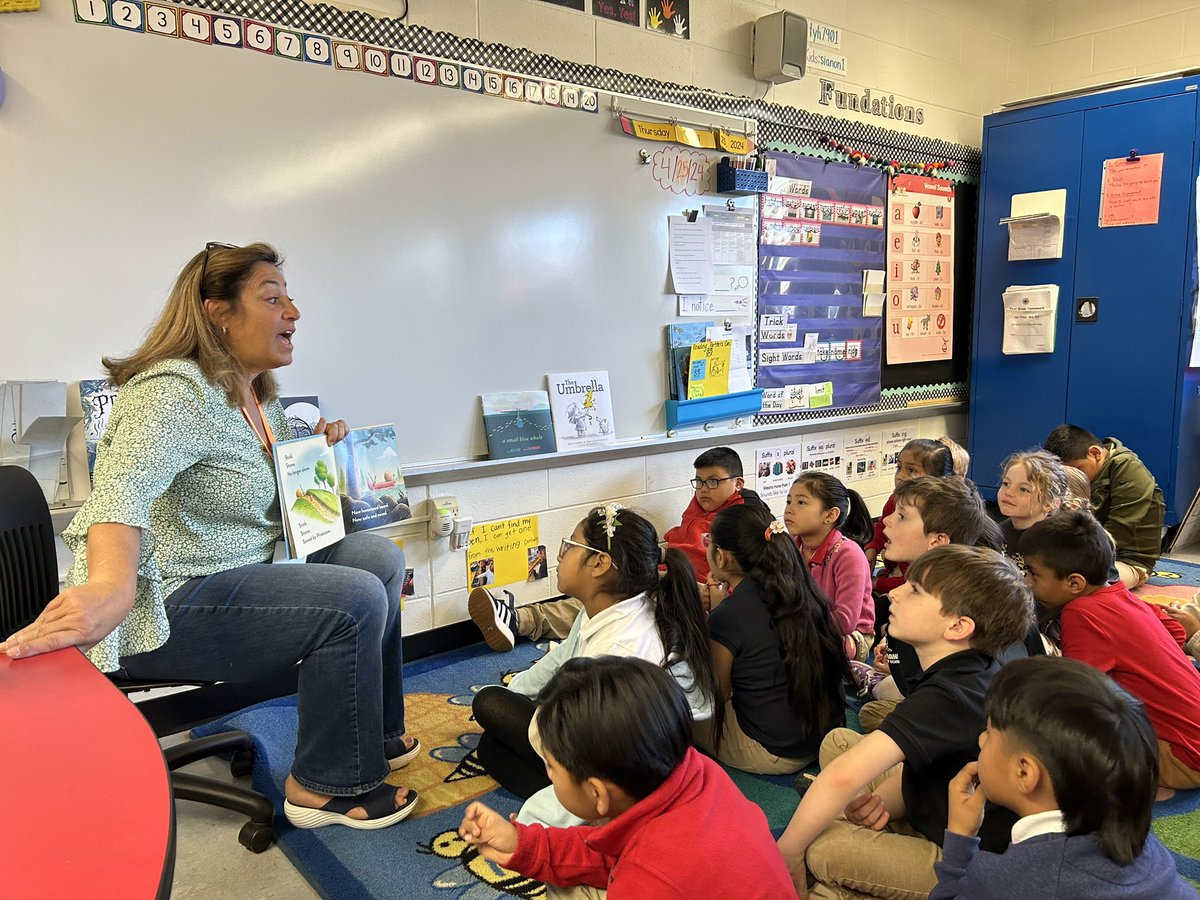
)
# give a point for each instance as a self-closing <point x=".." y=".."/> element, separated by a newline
<point x="927" y="53"/>
<point x="959" y="59"/>
<point x="655" y="485"/>
<point x="1077" y="43"/>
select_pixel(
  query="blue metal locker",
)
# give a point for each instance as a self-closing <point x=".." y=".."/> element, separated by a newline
<point x="1126" y="373"/>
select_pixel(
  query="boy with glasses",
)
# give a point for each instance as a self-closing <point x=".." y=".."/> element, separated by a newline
<point x="718" y="484"/>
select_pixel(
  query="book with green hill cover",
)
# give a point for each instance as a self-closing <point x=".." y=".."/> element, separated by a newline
<point x="306" y="472"/>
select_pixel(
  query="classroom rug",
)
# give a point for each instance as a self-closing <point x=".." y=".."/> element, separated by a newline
<point x="423" y="858"/>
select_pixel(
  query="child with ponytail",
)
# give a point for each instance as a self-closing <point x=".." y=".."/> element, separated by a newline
<point x="611" y="564"/>
<point x="779" y="658"/>
<point x="831" y="523"/>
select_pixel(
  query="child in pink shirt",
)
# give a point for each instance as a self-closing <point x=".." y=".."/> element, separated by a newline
<point x="830" y="522"/>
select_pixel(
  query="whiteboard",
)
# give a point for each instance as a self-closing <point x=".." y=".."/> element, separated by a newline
<point x="439" y="244"/>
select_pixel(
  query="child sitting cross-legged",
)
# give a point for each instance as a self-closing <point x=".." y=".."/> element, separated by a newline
<point x="776" y="648"/>
<point x="718" y="485"/>
<point x="1069" y="558"/>
<point x="1033" y="485"/>
<point x="1073" y="754"/>
<point x="611" y="565"/>
<point x="872" y="822"/>
<point x="831" y="523"/>
<point x="616" y="737"/>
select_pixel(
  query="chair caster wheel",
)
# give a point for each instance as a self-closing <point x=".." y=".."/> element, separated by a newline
<point x="242" y="763"/>
<point x="256" y="836"/>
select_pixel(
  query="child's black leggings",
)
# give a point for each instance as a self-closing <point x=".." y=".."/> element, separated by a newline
<point x="504" y="748"/>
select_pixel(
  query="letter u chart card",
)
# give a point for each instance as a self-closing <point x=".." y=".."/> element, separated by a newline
<point x="582" y="407"/>
<point x="306" y="472"/>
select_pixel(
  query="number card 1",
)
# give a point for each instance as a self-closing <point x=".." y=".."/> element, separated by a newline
<point x="289" y="44"/>
<point x="127" y="15"/>
<point x="196" y="26"/>
<point x="162" y="20"/>
<point x="91" y="12"/>
<point x="347" y="56"/>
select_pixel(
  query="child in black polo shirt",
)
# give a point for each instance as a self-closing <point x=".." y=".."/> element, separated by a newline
<point x="959" y="607"/>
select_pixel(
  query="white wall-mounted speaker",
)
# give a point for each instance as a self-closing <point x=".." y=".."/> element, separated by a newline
<point x="780" y="46"/>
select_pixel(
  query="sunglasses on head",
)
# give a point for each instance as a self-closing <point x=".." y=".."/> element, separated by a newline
<point x="208" y="248"/>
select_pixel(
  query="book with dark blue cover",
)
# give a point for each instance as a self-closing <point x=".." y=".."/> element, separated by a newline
<point x="518" y="423"/>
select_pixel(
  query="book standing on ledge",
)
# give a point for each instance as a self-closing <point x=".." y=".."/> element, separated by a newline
<point x="582" y="407"/>
<point x="517" y="423"/>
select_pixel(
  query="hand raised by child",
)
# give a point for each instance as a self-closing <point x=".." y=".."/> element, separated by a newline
<point x="494" y="835"/>
<point x="868" y="810"/>
<point x="966" y="801"/>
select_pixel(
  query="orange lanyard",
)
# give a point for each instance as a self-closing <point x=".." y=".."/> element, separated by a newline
<point x="267" y="441"/>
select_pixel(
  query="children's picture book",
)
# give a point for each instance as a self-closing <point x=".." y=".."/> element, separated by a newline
<point x="518" y="423"/>
<point x="680" y="338"/>
<point x="306" y="472"/>
<point x="96" y="398"/>
<point x="582" y="407"/>
<point x="372" y="486"/>
<point x="303" y="413"/>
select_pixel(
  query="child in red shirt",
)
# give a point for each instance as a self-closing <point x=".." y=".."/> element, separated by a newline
<point x="616" y="737"/>
<point x="1068" y="558"/>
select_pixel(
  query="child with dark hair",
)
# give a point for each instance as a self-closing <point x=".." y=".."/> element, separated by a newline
<point x="1125" y="497"/>
<point x="830" y="522"/>
<point x="1053" y="724"/>
<point x="919" y="457"/>
<point x="718" y="484"/>
<point x="959" y="608"/>
<point x="611" y="564"/>
<point x="616" y="736"/>
<point x="1068" y="558"/>
<point x="775" y="647"/>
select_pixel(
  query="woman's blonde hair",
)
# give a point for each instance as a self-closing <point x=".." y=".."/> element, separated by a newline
<point x="184" y="331"/>
<point x="960" y="457"/>
<point x="1044" y="471"/>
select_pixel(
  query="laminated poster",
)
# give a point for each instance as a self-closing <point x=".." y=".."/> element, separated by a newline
<point x="920" y="270"/>
<point x="505" y="552"/>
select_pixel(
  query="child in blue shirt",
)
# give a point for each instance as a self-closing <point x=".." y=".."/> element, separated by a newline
<point x="1074" y="755"/>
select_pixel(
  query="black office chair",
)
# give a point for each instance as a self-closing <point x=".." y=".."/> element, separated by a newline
<point x="29" y="580"/>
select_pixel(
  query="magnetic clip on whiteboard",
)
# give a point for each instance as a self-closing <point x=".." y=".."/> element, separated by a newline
<point x="690" y="215"/>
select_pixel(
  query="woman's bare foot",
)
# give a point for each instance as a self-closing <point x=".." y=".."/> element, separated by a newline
<point x="1163" y="793"/>
<point x="298" y="795"/>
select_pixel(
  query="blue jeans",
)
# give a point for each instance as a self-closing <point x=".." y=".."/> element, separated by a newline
<point x="339" y="615"/>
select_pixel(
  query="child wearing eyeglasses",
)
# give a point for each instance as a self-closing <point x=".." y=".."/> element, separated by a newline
<point x="610" y="563"/>
<point x="718" y="485"/>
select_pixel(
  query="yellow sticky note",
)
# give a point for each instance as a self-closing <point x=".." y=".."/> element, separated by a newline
<point x="501" y="552"/>
<point x="19" y="5"/>
<point x="708" y="370"/>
